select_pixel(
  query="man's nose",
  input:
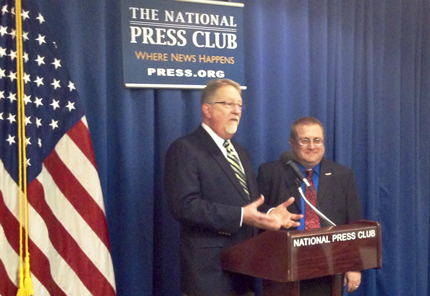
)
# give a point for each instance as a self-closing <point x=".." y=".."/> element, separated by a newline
<point x="237" y="108"/>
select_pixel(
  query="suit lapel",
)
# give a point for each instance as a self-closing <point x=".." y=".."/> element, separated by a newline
<point x="326" y="176"/>
<point x="219" y="157"/>
<point x="290" y="179"/>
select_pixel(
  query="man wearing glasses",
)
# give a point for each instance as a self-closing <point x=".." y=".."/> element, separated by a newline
<point x="336" y="193"/>
<point x="212" y="191"/>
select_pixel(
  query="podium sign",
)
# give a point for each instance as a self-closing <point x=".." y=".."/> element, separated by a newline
<point x="332" y="250"/>
<point x="291" y="256"/>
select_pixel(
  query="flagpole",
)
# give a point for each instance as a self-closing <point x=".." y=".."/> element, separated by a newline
<point x="25" y="283"/>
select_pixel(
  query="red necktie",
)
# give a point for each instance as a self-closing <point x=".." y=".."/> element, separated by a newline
<point x="312" y="220"/>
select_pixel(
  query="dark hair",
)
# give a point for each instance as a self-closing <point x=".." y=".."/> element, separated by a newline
<point x="303" y="121"/>
<point x="212" y="87"/>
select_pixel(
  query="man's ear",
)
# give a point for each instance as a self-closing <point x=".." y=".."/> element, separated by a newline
<point x="291" y="142"/>
<point x="206" y="110"/>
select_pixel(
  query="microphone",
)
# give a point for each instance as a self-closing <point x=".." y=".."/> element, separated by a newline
<point x="321" y="215"/>
<point x="288" y="157"/>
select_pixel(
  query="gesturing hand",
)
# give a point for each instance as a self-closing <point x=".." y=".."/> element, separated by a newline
<point x="277" y="218"/>
<point x="286" y="218"/>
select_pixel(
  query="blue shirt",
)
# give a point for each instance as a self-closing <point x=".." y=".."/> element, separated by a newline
<point x="315" y="180"/>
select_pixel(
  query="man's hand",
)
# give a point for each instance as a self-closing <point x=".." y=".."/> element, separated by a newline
<point x="278" y="217"/>
<point x="352" y="279"/>
<point x="286" y="219"/>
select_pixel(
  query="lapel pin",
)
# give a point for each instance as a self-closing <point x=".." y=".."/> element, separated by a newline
<point x="327" y="174"/>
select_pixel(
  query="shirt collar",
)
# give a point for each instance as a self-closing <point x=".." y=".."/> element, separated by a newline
<point x="218" y="140"/>
<point x="316" y="169"/>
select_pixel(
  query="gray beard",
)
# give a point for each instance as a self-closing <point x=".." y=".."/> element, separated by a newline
<point x="232" y="129"/>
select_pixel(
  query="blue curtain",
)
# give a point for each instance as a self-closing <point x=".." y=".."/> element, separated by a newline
<point x="362" y="67"/>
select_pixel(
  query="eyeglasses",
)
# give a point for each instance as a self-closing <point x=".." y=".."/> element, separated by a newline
<point x="307" y="141"/>
<point x="230" y="105"/>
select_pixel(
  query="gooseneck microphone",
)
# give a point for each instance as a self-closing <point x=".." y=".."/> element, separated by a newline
<point x="321" y="215"/>
<point x="298" y="173"/>
<point x="288" y="158"/>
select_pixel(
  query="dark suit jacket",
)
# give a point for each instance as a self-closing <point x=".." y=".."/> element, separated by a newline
<point x="337" y="198"/>
<point x="337" y="195"/>
<point x="205" y="196"/>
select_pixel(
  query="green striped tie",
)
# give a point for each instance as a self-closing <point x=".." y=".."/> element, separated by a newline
<point x="235" y="165"/>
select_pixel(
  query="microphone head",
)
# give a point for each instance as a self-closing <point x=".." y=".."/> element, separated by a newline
<point x="292" y="163"/>
<point x="287" y="156"/>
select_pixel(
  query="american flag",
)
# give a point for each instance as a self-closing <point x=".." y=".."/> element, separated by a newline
<point x="68" y="238"/>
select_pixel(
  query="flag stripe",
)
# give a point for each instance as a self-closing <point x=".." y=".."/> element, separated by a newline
<point x="38" y="288"/>
<point x="8" y="265"/>
<point x="78" y="196"/>
<point x="50" y="273"/>
<point x="81" y="168"/>
<point x="80" y="135"/>
<point x="11" y="262"/>
<point x="66" y="246"/>
<point x="52" y="267"/>
<point x="6" y="285"/>
<point x="10" y="224"/>
<point x="41" y="269"/>
<point x="75" y="225"/>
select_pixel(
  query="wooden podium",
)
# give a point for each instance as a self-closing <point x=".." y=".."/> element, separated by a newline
<point x="283" y="258"/>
